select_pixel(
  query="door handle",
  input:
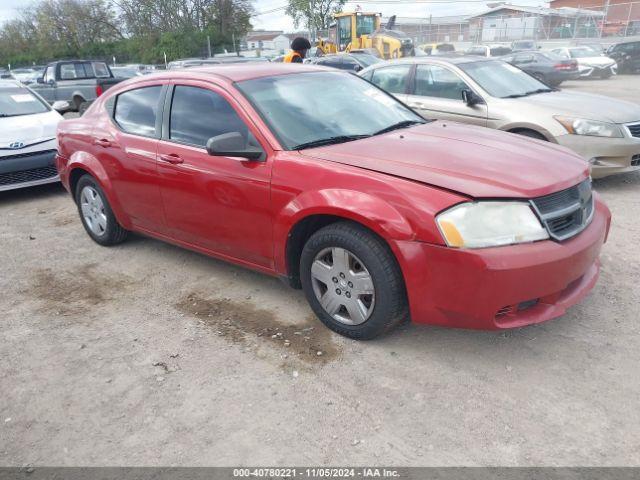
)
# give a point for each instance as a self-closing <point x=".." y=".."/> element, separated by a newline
<point x="103" y="142"/>
<point x="171" y="158"/>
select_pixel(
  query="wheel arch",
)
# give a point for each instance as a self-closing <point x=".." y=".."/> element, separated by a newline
<point x="83" y="163"/>
<point x="304" y="216"/>
<point x="519" y="127"/>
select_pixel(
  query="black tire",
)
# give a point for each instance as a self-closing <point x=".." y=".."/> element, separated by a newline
<point x="606" y="74"/>
<point x="390" y="307"/>
<point x="530" y="134"/>
<point x="77" y="103"/>
<point x="113" y="233"/>
<point x="83" y="107"/>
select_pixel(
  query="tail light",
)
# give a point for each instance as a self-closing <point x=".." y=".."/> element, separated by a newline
<point x="565" y="66"/>
<point x="99" y="90"/>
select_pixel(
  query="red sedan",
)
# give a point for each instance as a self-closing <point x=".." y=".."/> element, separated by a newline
<point x="325" y="180"/>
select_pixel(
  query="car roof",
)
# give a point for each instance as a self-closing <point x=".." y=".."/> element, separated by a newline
<point x="445" y="59"/>
<point x="237" y="72"/>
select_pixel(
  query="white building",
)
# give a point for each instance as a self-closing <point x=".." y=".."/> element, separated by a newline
<point x="268" y="41"/>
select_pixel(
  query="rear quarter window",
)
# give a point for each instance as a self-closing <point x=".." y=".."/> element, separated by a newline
<point x="101" y="70"/>
<point x="392" y="79"/>
<point x="136" y="110"/>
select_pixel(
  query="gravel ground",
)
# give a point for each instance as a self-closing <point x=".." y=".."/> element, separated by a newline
<point x="147" y="354"/>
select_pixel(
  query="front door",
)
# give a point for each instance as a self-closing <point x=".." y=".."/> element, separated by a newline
<point x="218" y="203"/>
<point x="437" y="94"/>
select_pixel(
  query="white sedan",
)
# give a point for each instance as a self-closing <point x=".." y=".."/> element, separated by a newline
<point x="28" y="142"/>
<point x="590" y="62"/>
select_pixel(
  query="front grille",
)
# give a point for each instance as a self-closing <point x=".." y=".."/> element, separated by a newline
<point x="26" y="155"/>
<point x="566" y="213"/>
<point x="24" y="176"/>
<point x="635" y="161"/>
<point x="634" y="129"/>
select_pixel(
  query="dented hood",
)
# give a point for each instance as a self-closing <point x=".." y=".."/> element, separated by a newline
<point x="474" y="161"/>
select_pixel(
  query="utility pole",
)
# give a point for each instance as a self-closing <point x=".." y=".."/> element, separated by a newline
<point x="604" y="19"/>
<point x="209" y="45"/>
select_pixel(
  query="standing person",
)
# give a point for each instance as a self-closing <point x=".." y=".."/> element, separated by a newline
<point x="299" y="48"/>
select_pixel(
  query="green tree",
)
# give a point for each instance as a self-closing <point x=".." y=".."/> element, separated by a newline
<point x="314" y="14"/>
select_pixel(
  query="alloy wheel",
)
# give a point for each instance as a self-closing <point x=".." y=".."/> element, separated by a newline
<point x="343" y="286"/>
<point x="93" y="211"/>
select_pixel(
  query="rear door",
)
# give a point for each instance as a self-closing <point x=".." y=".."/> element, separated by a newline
<point x="437" y="93"/>
<point x="218" y="203"/>
<point x="126" y="142"/>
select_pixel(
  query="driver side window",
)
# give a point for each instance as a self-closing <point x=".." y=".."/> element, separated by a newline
<point x="439" y="82"/>
<point x="197" y="114"/>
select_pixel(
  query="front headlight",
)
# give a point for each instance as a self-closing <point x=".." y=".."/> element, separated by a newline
<point x="490" y="224"/>
<point x="593" y="128"/>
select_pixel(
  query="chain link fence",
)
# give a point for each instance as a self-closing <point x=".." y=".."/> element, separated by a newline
<point x="615" y="20"/>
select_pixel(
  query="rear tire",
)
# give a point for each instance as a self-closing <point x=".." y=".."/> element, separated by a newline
<point x="96" y="214"/>
<point x="83" y="107"/>
<point x="77" y="103"/>
<point x="352" y="281"/>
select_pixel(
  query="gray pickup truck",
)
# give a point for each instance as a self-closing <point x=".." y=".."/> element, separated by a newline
<point x="78" y="82"/>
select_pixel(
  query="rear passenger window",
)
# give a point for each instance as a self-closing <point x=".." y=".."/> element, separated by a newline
<point x="136" y="110"/>
<point x="101" y="70"/>
<point x="197" y="114"/>
<point x="437" y="81"/>
<point x="392" y="79"/>
<point x="71" y="71"/>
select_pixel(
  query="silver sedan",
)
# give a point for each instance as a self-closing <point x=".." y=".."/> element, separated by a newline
<point x="494" y="94"/>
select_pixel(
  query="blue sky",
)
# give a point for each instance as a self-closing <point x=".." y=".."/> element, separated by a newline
<point x="279" y="21"/>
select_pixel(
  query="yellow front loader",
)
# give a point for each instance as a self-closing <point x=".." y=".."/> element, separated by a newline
<point x="364" y="31"/>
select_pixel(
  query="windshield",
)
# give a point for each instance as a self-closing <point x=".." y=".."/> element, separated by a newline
<point x="583" y="53"/>
<point x="500" y="79"/>
<point x="15" y="101"/>
<point x="300" y="109"/>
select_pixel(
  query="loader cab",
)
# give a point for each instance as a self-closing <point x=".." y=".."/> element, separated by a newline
<point x="351" y="27"/>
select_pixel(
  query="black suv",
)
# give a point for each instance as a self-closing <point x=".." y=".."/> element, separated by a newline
<point x="627" y="55"/>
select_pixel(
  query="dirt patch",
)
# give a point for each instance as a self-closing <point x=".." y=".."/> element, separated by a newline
<point x="308" y="341"/>
<point x="73" y="291"/>
<point x="64" y="221"/>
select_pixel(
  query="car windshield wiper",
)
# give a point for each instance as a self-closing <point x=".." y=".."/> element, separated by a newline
<point x="399" y="125"/>
<point x="330" y="141"/>
<point x="532" y="92"/>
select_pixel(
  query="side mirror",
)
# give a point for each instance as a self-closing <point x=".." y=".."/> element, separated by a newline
<point x="470" y="98"/>
<point x="61" y="106"/>
<point x="357" y="68"/>
<point x="40" y="80"/>
<point x="232" y="144"/>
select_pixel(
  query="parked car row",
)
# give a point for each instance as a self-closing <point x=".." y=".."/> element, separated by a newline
<point x="494" y="94"/>
<point x="372" y="196"/>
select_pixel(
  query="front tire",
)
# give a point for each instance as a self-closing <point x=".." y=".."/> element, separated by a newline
<point x="352" y="281"/>
<point x="96" y="214"/>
